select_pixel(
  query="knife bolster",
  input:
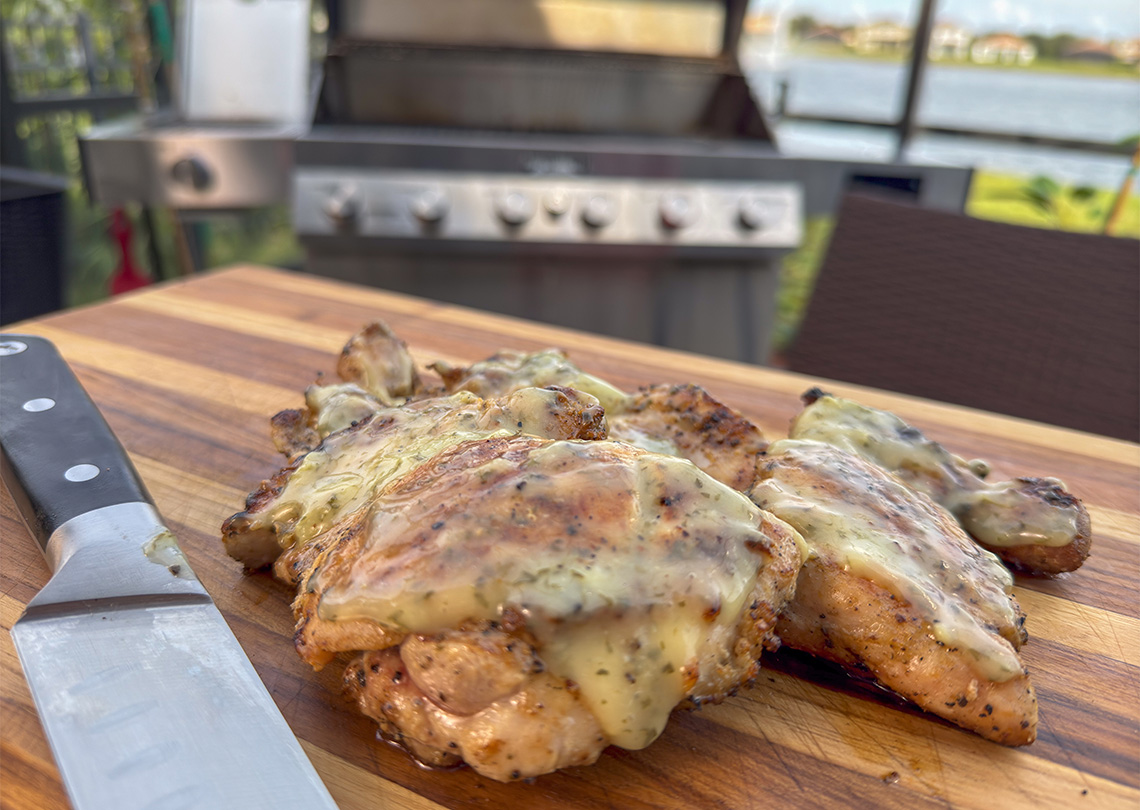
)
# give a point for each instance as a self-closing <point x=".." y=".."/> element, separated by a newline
<point x="117" y="554"/>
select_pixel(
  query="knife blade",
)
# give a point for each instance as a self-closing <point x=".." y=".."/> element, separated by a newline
<point x="145" y="695"/>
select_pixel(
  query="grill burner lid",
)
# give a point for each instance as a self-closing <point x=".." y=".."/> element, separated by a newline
<point x="440" y="74"/>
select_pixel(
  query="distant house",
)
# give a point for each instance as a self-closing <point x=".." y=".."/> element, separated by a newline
<point x="824" y="33"/>
<point x="879" y="37"/>
<point x="1127" y="51"/>
<point x="1089" y="50"/>
<point x="760" y="25"/>
<point x="948" y="41"/>
<point x="1005" y="49"/>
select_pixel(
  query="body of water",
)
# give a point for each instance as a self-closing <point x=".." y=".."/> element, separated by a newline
<point x="1068" y="106"/>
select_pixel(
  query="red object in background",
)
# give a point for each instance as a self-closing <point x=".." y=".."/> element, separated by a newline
<point x="127" y="277"/>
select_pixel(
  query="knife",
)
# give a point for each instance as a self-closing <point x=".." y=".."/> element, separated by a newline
<point x="146" y="697"/>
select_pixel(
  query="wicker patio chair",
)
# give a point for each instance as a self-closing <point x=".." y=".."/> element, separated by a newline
<point x="1033" y="323"/>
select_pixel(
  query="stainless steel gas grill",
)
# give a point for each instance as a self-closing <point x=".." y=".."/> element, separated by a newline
<point x="596" y="165"/>
<point x="599" y="164"/>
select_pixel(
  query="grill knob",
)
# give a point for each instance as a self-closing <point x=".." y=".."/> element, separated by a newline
<point x="343" y="206"/>
<point x="515" y="207"/>
<point x="430" y="206"/>
<point x="556" y="202"/>
<point x="677" y="211"/>
<point x="599" y="211"/>
<point x="754" y="214"/>
<point x="192" y="172"/>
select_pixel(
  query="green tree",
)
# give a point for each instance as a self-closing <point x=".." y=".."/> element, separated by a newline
<point x="1042" y="43"/>
<point x="20" y="10"/>
<point x="1052" y="47"/>
<point x="802" y="25"/>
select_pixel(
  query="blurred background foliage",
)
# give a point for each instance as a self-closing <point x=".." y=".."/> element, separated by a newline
<point x="45" y="57"/>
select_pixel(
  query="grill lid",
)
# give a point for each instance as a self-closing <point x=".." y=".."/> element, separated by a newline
<point x="605" y="67"/>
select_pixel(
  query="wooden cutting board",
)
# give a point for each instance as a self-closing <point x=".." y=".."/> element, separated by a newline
<point x="188" y="375"/>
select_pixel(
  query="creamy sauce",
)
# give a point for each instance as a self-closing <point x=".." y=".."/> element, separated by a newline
<point x="630" y="669"/>
<point x="1003" y="515"/>
<point x="339" y="406"/>
<point x="509" y="371"/>
<point x="878" y="436"/>
<point x="622" y="430"/>
<point x="853" y="514"/>
<point x="999" y="514"/>
<point x="162" y="549"/>
<point x="346" y="472"/>
<point x="622" y="563"/>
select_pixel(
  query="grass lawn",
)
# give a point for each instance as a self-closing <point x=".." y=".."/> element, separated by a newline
<point x="1009" y="198"/>
<point x="1112" y="70"/>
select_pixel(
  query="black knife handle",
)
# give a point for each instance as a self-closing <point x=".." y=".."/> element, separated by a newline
<point x="60" y="458"/>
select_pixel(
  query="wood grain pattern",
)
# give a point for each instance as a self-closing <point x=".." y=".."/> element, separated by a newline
<point x="187" y="374"/>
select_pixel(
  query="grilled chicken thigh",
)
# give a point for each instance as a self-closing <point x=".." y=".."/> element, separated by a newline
<point x="684" y="421"/>
<point x="687" y="422"/>
<point x="582" y="589"/>
<point x="514" y="600"/>
<point x="895" y="590"/>
<point x="1033" y="524"/>
<point x="541" y="600"/>
<point x="873" y="624"/>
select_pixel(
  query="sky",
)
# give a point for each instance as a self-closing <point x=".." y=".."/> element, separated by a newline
<point x="1099" y="19"/>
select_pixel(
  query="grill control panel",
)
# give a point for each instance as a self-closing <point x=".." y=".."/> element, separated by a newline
<point x="546" y="209"/>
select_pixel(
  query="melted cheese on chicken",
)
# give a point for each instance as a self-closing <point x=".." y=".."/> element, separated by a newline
<point x="510" y="370"/>
<point x="853" y="514"/>
<point x="631" y="569"/>
<point x="676" y="420"/>
<point x="999" y="514"/>
<point x="336" y="407"/>
<point x="350" y="467"/>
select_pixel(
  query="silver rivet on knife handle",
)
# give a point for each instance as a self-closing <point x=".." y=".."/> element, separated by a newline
<point x="80" y="472"/>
